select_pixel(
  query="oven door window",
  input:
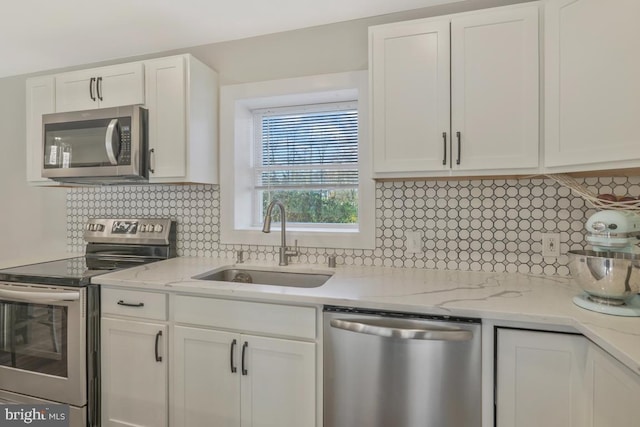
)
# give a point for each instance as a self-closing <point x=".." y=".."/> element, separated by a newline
<point x="33" y="337"/>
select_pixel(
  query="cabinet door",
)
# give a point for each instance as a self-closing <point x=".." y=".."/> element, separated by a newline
<point x="206" y="391"/>
<point x="104" y="87"/>
<point x="279" y="384"/>
<point x="134" y="382"/>
<point x="40" y="99"/>
<point x="494" y="87"/>
<point x="591" y="84"/>
<point x="166" y="99"/>
<point x="121" y="85"/>
<point x="540" y="379"/>
<point x="76" y="91"/>
<point x="409" y="72"/>
<point x="613" y="391"/>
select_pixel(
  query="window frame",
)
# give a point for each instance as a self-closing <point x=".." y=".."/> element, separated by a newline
<point x="236" y="153"/>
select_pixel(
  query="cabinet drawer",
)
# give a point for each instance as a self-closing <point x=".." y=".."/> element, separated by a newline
<point x="147" y="305"/>
<point x="254" y="317"/>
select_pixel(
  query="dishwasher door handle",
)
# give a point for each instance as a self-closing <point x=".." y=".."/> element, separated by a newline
<point x="403" y="329"/>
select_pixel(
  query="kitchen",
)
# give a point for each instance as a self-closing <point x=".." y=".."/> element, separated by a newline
<point x="55" y="218"/>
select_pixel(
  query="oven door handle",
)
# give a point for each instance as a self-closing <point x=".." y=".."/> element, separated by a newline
<point x="40" y="296"/>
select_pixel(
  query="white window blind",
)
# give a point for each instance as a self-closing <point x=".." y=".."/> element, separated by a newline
<point x="306" y="147"/>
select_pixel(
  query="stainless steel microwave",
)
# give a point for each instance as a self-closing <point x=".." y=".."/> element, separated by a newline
<point x="104" y="146"/>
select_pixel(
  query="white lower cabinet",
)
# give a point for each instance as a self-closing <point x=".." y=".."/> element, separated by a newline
<point x="613" y="391"/>
<point x="134" y="358"/>
<point x="539" y="379"/>
<point x="243" y="364"/>
<point x="207" y="381"/>
<point x="134" y="373"/>
<point x="561" y="380"/>
<point x="229" y="379"/>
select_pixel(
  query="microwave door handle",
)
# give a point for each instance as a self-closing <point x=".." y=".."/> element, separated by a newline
<point x="108" y="141"/>
<point x="39" y="297"/>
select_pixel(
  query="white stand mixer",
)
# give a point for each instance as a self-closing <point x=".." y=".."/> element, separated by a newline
<point x="610" y="274"/>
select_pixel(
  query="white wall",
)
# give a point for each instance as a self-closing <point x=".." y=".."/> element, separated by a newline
<point x="32" y="220"/>
<point x="331" y="48"/>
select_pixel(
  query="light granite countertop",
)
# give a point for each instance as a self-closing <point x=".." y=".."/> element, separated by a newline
<point x="498" y="297"/>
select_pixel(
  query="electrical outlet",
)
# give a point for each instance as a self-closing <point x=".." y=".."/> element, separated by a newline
<point x="550" y="245"/>
<point x="413" y="241"/>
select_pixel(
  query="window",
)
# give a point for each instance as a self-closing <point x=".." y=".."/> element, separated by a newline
<point x="303" y="141"/>
<point x="307" y="157"/>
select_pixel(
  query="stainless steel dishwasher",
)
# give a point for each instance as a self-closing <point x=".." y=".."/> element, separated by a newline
<point x="388" y="369"/>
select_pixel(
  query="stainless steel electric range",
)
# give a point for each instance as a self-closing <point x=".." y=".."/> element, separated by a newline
<point x="50" y="316"/>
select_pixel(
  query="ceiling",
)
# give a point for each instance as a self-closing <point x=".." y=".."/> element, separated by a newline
<point x="38" y="35"/>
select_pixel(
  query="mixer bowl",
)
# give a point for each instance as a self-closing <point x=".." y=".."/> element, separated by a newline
<point x="608" y="277"/>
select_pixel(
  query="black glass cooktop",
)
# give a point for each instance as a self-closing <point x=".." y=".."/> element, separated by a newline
<point x="67" y="272"/>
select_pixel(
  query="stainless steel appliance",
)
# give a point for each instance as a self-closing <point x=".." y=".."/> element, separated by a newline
<point x="96" y="146"/>
<point x="50" y="319"/>
<point x="385" y="369"/>
<point x="609" y="274"/>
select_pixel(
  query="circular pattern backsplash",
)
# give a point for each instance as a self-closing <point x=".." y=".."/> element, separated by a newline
<point x="479" y="225"/>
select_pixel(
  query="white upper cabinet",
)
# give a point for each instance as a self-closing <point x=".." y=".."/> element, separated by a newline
<point x="409" y="70"/>
<point x="182" y="98"/>
<point x="103" y="87"/>
<point x="40" y="99"/>
<point x="592" y="85"/>
<point x="494" y="90"/>
<point x="456" y="95"/>
<point x="179" y="92"/>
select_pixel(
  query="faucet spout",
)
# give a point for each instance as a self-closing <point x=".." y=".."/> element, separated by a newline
<point x="284" y="253"/>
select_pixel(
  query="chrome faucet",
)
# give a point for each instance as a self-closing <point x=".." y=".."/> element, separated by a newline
<point x="285" y="253"/>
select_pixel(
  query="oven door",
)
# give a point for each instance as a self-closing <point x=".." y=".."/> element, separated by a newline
<point x="43" y="342"/>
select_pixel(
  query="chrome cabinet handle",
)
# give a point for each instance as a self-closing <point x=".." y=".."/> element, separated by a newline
<point x="402" y="329"/>
<point x="99" y="88"/>
<point x="444" y="138"/>
<point x="244" y="349"/>
<point x="151" y="151"/>
<point x="91" y="82"/>
<point x="109" y="143"/>
<point x="234" y="369"/>
<point x="127" y="304"/>
<point x="459" y="136"/>
<point x="158" y="357"/>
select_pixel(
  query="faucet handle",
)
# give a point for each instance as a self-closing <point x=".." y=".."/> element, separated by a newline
<point x="292" y="252"/>
<point x="239" y="256"/>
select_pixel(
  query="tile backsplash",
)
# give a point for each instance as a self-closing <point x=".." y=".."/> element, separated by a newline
<point x="479" y="225"/>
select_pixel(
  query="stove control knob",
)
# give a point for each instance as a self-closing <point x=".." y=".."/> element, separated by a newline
<point x="88" y="227"/>
<point x="143" y="228"/>
<point x="158" y="228"/>
<point x="99" y="227"/>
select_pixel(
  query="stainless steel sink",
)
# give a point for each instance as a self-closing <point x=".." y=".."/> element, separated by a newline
<point x="266" y="277"/>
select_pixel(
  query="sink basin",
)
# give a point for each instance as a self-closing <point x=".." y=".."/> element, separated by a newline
<point x="266" y="277"/>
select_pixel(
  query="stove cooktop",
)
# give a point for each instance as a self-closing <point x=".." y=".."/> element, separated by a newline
<point x="76" y="271"/>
